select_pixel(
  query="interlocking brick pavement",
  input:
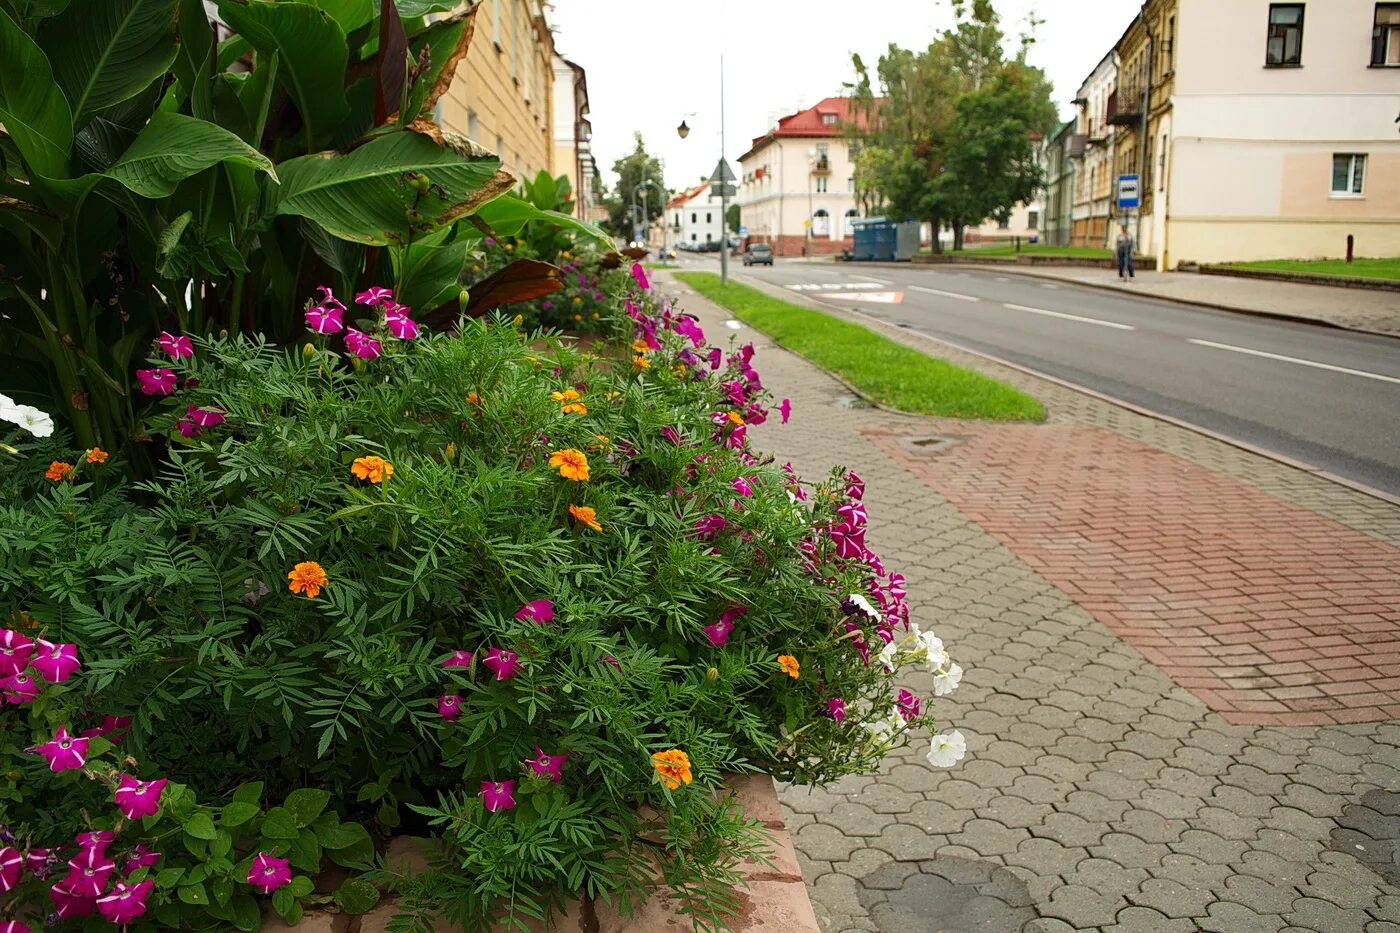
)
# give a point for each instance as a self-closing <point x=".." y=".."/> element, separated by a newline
<point x="1269" y="613"/>
<point x="1098" y="794"/>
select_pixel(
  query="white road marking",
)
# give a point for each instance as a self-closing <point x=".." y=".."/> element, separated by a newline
<point x="1048" y="285"/>
<point x="733" y="325"/>
<point x="1071" y="317"/>
<point x="1001" y="278"/>
<point x="936" y="291"/>
<point x="1293" y="359"/>
<point x="881" y="281"/>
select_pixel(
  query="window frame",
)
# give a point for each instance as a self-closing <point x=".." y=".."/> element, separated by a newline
<point x="1269" y="35"/>
<point x="1385" y="37"/>
<point x="1349" y="193"/>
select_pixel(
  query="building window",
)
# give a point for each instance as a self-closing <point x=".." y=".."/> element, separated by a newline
<point x="1032" y="220"/>
<point x="851" y="185"/>
<point x="852" y="150"/>
<point x="709" y="218"/>
<point x="496" y="23"/>
<point x="821" y="185"/>
<point x="693" y="215"/>
<point x="1385" y="38"/>
<point x="821" y="152"/>
<point x="1170" y="49"/>
<point x="1285" y="34"/>
<point x="693" y="238"/>
<point x="828" y="119"/>
<point x="514" y="43"/>
<point x="1004" y="222"/>
<point x="1348" y="175"/>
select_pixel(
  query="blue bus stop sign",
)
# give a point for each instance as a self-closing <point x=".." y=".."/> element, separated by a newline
<point x="1127" y="191"/>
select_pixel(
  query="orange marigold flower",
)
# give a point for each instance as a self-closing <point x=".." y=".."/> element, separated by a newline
<point x="641" y="347"/>
<point x="641" y="362"/>
<point x="789" y="665"/>
<point x="673" y="766"/>
<point x="575" y="408"/>
<point x="585" y="515"/>
<point x="58" y="471"/>
<point x="97" y="455"/>
<point x="568" y="395"/>
<point x="473" y="399"/>
<point x="571" y="464"/>
<point x="736" y="419"/>
<point x="307" y="577"/>
<point x="374" y="469"/>
<point x="578" y="317"/>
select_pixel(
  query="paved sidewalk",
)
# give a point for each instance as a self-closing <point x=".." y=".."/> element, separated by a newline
<point x="1357" y="308"/>
<point x="1149" y="748"/>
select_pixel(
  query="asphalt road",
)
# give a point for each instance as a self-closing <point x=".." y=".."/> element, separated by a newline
<point x="1329" y="398"/>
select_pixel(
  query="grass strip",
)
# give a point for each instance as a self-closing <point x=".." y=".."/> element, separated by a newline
<point x="890" y="373"/>
<point x="1338" y="268"/>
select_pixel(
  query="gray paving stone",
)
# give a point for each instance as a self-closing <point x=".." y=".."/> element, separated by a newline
<point x="855" y="819"/>
<point x="1106" y="877"/>
<point x="1015" y="811"/>
<point x="1070" y="829"/>
<point x="1147" y="920"/>
<point x="988" y="837"/>
<point x="928" y="902"/>
<point x="1349" y="892"/>
<point x="1260" y="894"/>
<point x="820" y="841"/>
<point x="1171" y="898"/>
<point x="1193" y="872"/>
<point x="1208" y="847"/>
<point x="1128" y="851"/>
<point x="908" y="843"/>
<point x="1228" y="917"/>
<point x="1081" y="906"/>
<point x="1317" y="914"/>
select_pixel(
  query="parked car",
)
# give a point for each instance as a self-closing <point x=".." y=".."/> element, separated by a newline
<point x="666" y="252"/>
<point x="758" y="253"/>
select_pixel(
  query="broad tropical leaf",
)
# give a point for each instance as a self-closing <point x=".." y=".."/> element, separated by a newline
<point x="411" y="8"/>
<point x="431" y="270"/>
<point x="32" y="109"/>
<point x="106" y="51"/>
<point x="313" y="54"/>
<point x="173" y="147"/>
<point x="365" y="195"/>
<point x="446" y="42"/>
<point x="507" y="215"/>
<point x="196" y="56"/>
<point x="350" y="14"/>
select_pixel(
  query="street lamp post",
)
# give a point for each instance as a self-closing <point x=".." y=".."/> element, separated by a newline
<point x="646" y="226"/>
<point x="683" y="131"/>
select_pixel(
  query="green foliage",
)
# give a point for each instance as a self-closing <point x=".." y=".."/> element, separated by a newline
<point x="633" y="171"/>
<point x="888" y="372"/>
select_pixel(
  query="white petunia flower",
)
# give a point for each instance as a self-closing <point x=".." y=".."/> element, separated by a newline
<point x="864" y="605"/>
<point x="884" y="730"/>
<point x="948" y="749"/>
<point x="31" y="419"/>
<point x="887" y="656"/>
<point x="946" y="681"/>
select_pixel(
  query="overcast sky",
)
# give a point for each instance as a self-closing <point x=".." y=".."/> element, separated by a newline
<point x="650" y="62"/>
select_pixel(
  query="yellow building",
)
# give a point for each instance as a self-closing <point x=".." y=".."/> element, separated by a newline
<point x="502" y="97"/>
<point x="1146" y="80"/>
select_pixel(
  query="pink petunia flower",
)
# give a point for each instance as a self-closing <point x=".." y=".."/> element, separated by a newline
<point x="113" y="728"/>
<point x="363" y="345"/>
<point x="97" y="840"/>
<point x="716" y="357"/>
<point x="177" y="348"/>
<point x="505" y="664"/>
<point x="399" y="323"/>
<point x="849" y="540"/>
<point x="15" y="650"/>
<point x="836" y="709"/>
<point x="14" y="926"/>
<point x="125" y="902"/>
<point x="56" y="662"/>
<point x="854" y="513"/>
<point x="11" y="867"/>
<point x="908" y="705"/>
<point x="640" y="275"/>
<point x="64" y="752"/>
<point x="137" y="799"/>
<point x="459" y="658"/>
<point x="19" y="688"/>
<point x="671" y="435"/>
<point x="742" y="486"/>
<point x="718" y="632"/>
<point x="328" y="299"/>
<point x="539" y="611"/>
<point x="37" y="861"/>
<point x="498" y="795"/>
<point x="325" y="320"/>
<point x="611" y="662"/>
<point x="449" y="707"/>
<point x="140" y="857"/>
<point x="374" y="295"/>
<point x="68" y="904"/>
<point x="708" y="527"/>
<point x="157" y="381"/>
<point x="267" y="873"/>
<point x="188" y="428"/>
<point x="855" y="486"/>
<point x="88" y="872"/>
<point x="785" y="409"/>
<point x="547" y="766"/>
<point x="205" y="417"/>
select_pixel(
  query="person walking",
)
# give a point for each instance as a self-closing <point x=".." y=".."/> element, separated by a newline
<point x="1124" y="248"/>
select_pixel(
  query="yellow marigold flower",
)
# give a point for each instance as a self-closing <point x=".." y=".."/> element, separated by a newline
<point x="575" y="408"/>
<point x="673" y="766"/>
<point x="58" y="471"/>
<point x="641" y="347"/>
<point x="736" y="419"/>
<point x="510" y="247"/>
<point x="450" y="451"/>
<point x="789" y="665"/>
<point x="681" y="370"/>
<point x="641" y="362"/>
<point x="613" y="394"/>
<point x="578" y="300"/>
<point x="97" y="455"/>
<point x="307" y="577"/>
<point x="566" y="254"/>
<point x="595" y="315"/>
<point x="374" y="469"/>
<point x="585" y="515"/>
<point x="568" y="395"/>
<point x="571" y="463"/>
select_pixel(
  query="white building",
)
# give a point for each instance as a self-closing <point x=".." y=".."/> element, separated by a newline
<point x="694" y="218"/>
<point x="797" y="181"/>
<point x="573" y="150"/>
<point x="1094" y="185"/>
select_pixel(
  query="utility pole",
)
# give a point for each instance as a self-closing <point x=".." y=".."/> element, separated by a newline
<point x="1146" y="106"/>
<point x="723" y="191"/>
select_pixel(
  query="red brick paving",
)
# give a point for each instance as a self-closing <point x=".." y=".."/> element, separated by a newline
<point x="1269" y="613"/>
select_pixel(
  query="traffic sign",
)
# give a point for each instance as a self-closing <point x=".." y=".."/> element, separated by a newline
<point x="723" y="189"/>
<point x="723" y="173"/>
<point x="743" y="230"/>
<point x="1128" y="191"/>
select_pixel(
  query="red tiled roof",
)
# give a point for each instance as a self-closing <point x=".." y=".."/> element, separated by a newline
<point x="809" y="124"/>
<point x="687" y="195"/>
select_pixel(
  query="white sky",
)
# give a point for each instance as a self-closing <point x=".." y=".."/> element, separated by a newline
<point x="650" y="62"/>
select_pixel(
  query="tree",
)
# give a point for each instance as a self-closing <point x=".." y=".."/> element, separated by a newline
<point x="632" y="170"/>
<point x="950" y="128"/>
<point x="733" y="218"/>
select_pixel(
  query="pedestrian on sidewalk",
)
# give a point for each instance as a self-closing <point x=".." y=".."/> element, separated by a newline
<point x="1124" y="248"/>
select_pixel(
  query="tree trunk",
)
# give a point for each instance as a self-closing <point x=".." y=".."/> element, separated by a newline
<point x="957" y="235"/>
<point x="937" y="243"/>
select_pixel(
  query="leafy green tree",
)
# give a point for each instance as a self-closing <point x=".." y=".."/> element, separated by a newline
<point x="633" y="170"/>
<point x="733" y="217"/>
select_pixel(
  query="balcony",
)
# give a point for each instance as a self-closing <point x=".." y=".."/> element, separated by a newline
<point x="1125" y="107"/>
<point x="821" y="166"/>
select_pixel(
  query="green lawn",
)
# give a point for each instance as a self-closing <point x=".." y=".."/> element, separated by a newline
<point x="888" y="372"/>
<point x="660" y="265"/>
<point x="1008" y="251"/>
<point x="1358" y="269"/>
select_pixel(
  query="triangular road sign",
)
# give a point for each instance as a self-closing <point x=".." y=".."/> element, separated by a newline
<point x="723" y="173"/>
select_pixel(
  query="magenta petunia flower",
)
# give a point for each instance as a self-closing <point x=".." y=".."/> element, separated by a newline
<point x="267" y="873"/>
<point x="177" y="348"/>
<point x="716" y="357"/>
<point x="505" y="664"/>
<point x="188" y="428"/>
<point x="56" y="662"/>
<point x="373" y="296"/>
<point x="399" y="323"/>
<point x="363" y="345"/>
<point x="325" y="320"/>
<point x="611" y="662"/>
<point x="113" y="727"/>
<point x="19" y="688"/>
<point x="671" y="435"/>
<point x="498" y="795"/>
<point x="157" y="381"/>
<point x="708" y="527"/>
<point x="737" y="438"/>
<point x="742" y="487"/>
<point x="37" y="861"/>
<point x="459" y="658"/>
<point x="785" y="409"/>
<point x="97" y="840"/>
<point x="12" y="866"/>
<point x="64" y="752"/>
<point x="855" y="486"/>
<point x="88" y="872"/>
<point x="14" y="926"/>
<point x="686" y="326"/>
<point x="849" y="540"/>
<point x="329" y="300"/>
<point x="538" y="611"/>
<point x="67" y="903"/>
<point x="853" y="512"/>
<point x="718" y="632"/>
<point x="908" y="705"/>
<point x="137" y="799"/>
<point x="836" y="709"/>
<point x="205" y="417"/>
<point x="125" y="902"/>
<point x="640" y="275"/>
<point x="15" y="650"/>
<point x="140" y="857"/>
<point x="547" y="766"/>
<point x="896" y="586"/>
<point x="449" y="707"/>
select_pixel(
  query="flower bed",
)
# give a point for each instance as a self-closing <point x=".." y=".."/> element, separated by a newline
<point x="533" y="602"/>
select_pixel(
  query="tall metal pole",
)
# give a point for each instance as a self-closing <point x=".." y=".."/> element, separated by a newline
<point x="1146" y="108"/>
<point x="723" y="191"/>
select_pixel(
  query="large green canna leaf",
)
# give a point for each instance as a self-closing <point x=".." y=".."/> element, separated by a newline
<point x="429" y="272"/>
<point x="313" y="55"/>
<point x="350" y="14"/>
<point x="173" y="147"/>
<point x="196" y="57"/>
<point x="32" y="109"/>
<point x="365" y="195"/>
<point x="507" y="215"/>
<point x="106" y="51"/>
<point x="408" y="9"/>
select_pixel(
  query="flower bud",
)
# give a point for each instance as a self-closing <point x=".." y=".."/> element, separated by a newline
<point x="309" y="350"/>
<point x="464" y="297"/>
<point x="419" y="182"/>
<point x="450" y="452"/>
<point x="519" y="319"/>
<point x="712" y="674"/>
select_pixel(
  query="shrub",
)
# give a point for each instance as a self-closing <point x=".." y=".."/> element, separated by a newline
<point x="532" y="600"/>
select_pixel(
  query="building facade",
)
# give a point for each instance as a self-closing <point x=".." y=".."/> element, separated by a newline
<point x="1093" y="208"/>
<point x="1056" y="222"/>
<point x="694" y="218"/>
<point x="797" y="181"/>
<point x="573" y="134"/>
